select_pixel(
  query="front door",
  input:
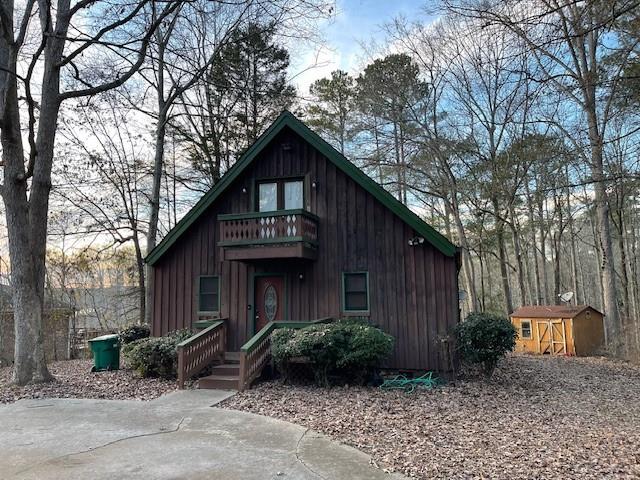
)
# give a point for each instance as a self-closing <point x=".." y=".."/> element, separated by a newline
<point x="269" y="300"/>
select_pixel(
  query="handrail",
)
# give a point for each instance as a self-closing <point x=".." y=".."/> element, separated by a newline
<point x="256" y="352"/>
<point x="269" y="327"/>
<point x="273" y="213"/>
<point x="199" y="350"/>
<point x="265" y="228"/>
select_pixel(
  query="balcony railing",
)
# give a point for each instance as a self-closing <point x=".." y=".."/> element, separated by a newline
<point x="295" y="229"/>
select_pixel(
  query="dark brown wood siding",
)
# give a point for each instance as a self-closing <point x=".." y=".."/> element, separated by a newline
<point x="413" y="289"/>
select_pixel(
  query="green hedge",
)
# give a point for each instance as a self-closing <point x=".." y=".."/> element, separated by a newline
<point x="345" y="349"/>
<point x="134" y="332"/>
<point x="484" y="338"/>
<point x="155" y="356"/>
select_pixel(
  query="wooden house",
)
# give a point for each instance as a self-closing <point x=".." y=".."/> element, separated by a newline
<point x="294" y="232"/>
<point x="559" y="329"/>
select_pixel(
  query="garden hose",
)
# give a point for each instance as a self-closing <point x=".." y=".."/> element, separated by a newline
<point x="401" y="382"/>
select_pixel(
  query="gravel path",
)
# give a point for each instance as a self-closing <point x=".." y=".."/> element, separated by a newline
<point x="539" y="417"/>
<point x="75" y="380"/>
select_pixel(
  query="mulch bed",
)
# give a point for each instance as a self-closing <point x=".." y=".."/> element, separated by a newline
<point x="75" y="380"/>
<point x="538" y="417"/>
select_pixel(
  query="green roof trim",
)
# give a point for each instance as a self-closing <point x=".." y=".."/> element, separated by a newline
<point x="287" y="119"/>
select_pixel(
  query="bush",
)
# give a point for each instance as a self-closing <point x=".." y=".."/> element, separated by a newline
<point x="134" y="332"/>
<point x="484" y="338"/>
<point x="155" y="356"/>
<point x="346" y="349"/>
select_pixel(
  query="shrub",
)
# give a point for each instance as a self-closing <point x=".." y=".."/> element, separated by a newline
<point x="133" y="332"/>
<point x="155" y="356"/>
<point x="347" y="349"/>
<point x="484" y="338"/>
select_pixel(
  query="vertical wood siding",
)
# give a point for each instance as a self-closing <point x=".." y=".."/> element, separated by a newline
<point x="413" y="290"/>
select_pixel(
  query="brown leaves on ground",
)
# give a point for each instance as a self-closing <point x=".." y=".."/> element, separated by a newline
<point x="74" y="379"/>
<point x="538" y="417"/>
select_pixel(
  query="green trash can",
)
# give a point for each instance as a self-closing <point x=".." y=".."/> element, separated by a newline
<point x="106" y="352"/>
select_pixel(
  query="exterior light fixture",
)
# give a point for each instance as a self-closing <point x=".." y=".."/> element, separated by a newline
<point x="416" y="241"/>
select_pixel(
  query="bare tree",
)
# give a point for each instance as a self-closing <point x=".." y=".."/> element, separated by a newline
<point x="50" y="54"/>
<point x="569" y="40"/>
<point x="103" y="137"/>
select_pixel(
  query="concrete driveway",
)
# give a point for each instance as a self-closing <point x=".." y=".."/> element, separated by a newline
<point x="173" y="437"/>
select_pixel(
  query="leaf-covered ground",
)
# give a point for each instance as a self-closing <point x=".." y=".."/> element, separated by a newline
<point x="75" y="380"/>
<point x="569" y="418"/>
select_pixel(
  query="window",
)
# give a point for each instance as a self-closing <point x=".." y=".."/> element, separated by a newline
<point x="208" y="294"/>
<point x="355" y="292"/>
<point x="267" y="197"/>
<point x="293" y="197"/>
<point x="525" y="329"/>
<point x="280" y="195"/>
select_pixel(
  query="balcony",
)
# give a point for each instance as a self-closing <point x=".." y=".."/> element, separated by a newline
<point x="269" y="235"/>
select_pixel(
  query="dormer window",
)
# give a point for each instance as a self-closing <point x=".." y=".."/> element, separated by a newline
<point x="280" y="195"/>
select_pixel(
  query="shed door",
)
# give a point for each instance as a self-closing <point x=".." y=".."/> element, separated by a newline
<point x="551" y="337"/>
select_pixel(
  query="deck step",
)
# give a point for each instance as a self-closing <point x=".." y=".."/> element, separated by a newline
<point x="219" y="382"/>
<point x="231" y="357"/>
<point x="226" y="370"/>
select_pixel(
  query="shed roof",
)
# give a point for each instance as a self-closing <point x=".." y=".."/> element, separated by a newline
<point x="551" y="311"/>
<point x="287" y="119"/>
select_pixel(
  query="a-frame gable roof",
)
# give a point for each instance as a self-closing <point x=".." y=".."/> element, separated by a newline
<point x="287" y="119"/>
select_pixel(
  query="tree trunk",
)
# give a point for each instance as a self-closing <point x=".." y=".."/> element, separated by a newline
<point x="543" y="253"/>
<point x="502" y="253"/>
<point x="609" y="290"/>
<point x="27" y="209"/>
<point x="142" y="300"/>
<point x="579" y="299"/>
<point x="534" y="245"/>
<point x="467" y="263"/>
<point x="518" y="253"/>
<point x="158" y="166"/>
<point x="596" y="236"/>
<point x="557" y="250"/>
<point x="154" y="202"/>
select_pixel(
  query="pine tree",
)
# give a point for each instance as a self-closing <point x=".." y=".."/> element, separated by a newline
<point x="245" y="89"/>
<point x="332" y="109"/>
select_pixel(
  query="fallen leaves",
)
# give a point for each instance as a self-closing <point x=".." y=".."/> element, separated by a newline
<point x="538" y="417"/>
<point x="75" y="380"/>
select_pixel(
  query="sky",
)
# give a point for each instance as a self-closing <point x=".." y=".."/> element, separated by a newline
<point x="355" y="22"/>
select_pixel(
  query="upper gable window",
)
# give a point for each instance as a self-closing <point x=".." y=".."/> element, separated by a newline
<point x="267" y="197"/>
<point x="280" y="195"/>
<point x="293" y="194"/>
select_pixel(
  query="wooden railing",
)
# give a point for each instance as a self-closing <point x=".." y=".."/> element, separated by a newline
<point x="257" y="228"/>
<point x="198" y="351"/>
<point x="256" y="353"/>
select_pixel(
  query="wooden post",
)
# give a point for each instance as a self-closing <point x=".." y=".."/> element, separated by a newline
<point x="243" y="367"/>
<point x="181" y="368"/>
<point x="224" y="342"/>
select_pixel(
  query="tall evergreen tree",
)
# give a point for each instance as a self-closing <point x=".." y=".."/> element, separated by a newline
<point x="389" y="92"/>
<point x="245" y="89"/>
<point x="332" y="110"/>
